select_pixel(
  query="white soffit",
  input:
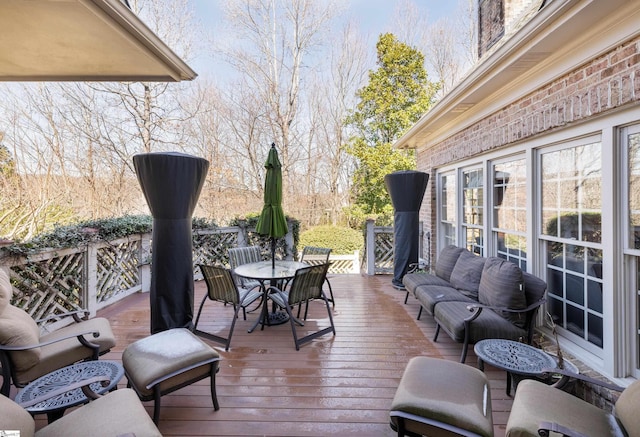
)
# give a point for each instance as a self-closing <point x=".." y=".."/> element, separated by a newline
<point x="554" y="41"/>
<point x="82" y="40"/>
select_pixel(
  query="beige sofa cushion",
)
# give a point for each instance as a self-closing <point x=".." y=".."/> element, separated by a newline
<point x="627" y="407"/>
<point x="66" y="352"/>
<point x="117" y="413"/>
<point x="14" y="417"/>
<point x="6" y="292"/>
<point x="17" y="328"/>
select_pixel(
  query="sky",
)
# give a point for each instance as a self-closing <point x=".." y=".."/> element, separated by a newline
<point x="374" y="16"/>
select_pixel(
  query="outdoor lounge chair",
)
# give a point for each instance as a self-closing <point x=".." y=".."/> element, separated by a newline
<point x="542" y="410"/>
<point x="221" y="287"/>
<point x="25" y="354"/>
<point x="305" y="286"/>
<point x="445" y="398"/>
<point x="118" y="413"/>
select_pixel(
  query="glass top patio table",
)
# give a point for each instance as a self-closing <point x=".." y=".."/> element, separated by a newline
<point x="264" y="271"/>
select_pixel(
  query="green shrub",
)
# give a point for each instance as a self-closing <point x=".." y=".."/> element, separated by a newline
<point x="341" y="240"/>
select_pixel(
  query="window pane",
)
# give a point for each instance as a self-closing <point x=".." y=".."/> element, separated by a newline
<point x="634" y="190"/>
<point x="571" y="215"/>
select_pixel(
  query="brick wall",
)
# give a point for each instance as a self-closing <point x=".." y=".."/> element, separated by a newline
<point x="603" y="84"/>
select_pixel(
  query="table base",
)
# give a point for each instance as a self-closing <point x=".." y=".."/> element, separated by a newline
<point x="278" y="318"/>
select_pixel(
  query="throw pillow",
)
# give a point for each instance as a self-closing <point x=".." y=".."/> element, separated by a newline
<point x="447" y="261"/>
<point x="502" y="285"/>
<point x="467" y="273"/>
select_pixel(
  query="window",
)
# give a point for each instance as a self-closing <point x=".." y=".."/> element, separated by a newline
<point x="510" y="211"/>
<point x="571" y="194"/>
<point x="473" y="210"/>
<point x="631" y="146"/>
<point x="448" y="209"/>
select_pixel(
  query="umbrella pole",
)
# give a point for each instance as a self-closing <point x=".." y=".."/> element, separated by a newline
<point x="273" y="252"/>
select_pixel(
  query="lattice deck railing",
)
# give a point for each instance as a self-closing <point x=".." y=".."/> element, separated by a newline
<point x="101" y="273"/>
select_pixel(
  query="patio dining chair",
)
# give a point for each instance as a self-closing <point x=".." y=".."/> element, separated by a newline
<point x="313" y="256"/>
<point x="244" y="255"/>
<point x="305" y="286"/>
<point x="221" y="287"/>
<point x="27" y="354"/>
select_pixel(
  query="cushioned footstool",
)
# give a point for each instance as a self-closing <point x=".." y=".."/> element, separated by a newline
<point x="167" y="361"/>
<point x="440" y="397"/>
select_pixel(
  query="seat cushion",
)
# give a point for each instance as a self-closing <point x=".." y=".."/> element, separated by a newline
<point x="501" y="285"/>
<point x="17" y="328"/>
<point x="446" y="392"/>
<point x="450" y="316"/>
<point x="117" y="413"/>
<point x="627" y="407"/>
<point x="430" y="295"/>
<point x="14" y="417"/>
<point x="447" y="261"/>
<point x="66" y="352"/>
<point x="414" y="280"/>
<point x="467" y="273"/>
<point x="173" y="351"/>
<point x="535" y="402"/>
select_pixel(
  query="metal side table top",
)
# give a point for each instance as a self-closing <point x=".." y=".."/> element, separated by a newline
<point x="57" y="380"/>
<point x="514" y="357"/>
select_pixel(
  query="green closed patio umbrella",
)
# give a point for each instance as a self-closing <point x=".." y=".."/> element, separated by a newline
<point x="272" y="221"/>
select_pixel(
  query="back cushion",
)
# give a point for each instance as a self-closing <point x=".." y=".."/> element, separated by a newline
<point x="5" y="290"/>
<point x="17" y="328"/>
<point x="502" y="285"/>
<point x="467" y="273"/>
<point x="447" y="261"/>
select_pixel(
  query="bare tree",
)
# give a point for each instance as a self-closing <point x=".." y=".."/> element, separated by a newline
<point x="276" y="43"/>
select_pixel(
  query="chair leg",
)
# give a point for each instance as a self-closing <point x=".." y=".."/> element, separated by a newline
<point x="435" y="337"/>
<point x="214" y="394"/>
<point x="156" y="403"/>
<point x="6" y="374"/>
<point x="333" y="301"/>
<point x="199" y="311"/>
<point x="419" y="313"/>
<point x="406" y="298"/>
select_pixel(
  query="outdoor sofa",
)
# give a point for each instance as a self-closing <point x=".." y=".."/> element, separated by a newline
<point x="473" y="298"/>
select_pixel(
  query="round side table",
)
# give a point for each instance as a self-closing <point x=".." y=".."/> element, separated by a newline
<point x="55" y="406"/>
<point x="516" y="358"/>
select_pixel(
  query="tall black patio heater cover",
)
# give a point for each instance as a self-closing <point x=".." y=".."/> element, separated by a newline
<point x="171" y="183"/>
<point x="406" y="189"/>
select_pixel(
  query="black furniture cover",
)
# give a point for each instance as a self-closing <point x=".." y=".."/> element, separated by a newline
<point x="406" y="189"/>
<point x="171" y="183"/>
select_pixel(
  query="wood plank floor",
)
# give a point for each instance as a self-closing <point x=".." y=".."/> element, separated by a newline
<point x="340" y="385"/>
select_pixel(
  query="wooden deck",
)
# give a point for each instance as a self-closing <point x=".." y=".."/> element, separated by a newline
<point x="340" y="385"/>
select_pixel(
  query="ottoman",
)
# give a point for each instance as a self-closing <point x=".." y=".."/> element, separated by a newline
<point x="440" y="397"/>
<point x="167" y="361"/>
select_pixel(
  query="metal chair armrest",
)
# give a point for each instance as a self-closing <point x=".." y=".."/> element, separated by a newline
<point x="79" y="336"/>
<point x="584" y="378"/>
<point x="544" y="428"/>
<point x="75" y="314"/>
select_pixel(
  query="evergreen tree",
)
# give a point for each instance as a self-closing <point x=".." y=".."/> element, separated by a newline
<point x="398" y="94"/>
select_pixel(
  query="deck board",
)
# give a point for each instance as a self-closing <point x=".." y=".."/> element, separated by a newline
<point x="333" y="386"/>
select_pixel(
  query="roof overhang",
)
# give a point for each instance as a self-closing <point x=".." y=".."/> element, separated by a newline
<point x="561" y="36"/>
<point x="82" y="40"/>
